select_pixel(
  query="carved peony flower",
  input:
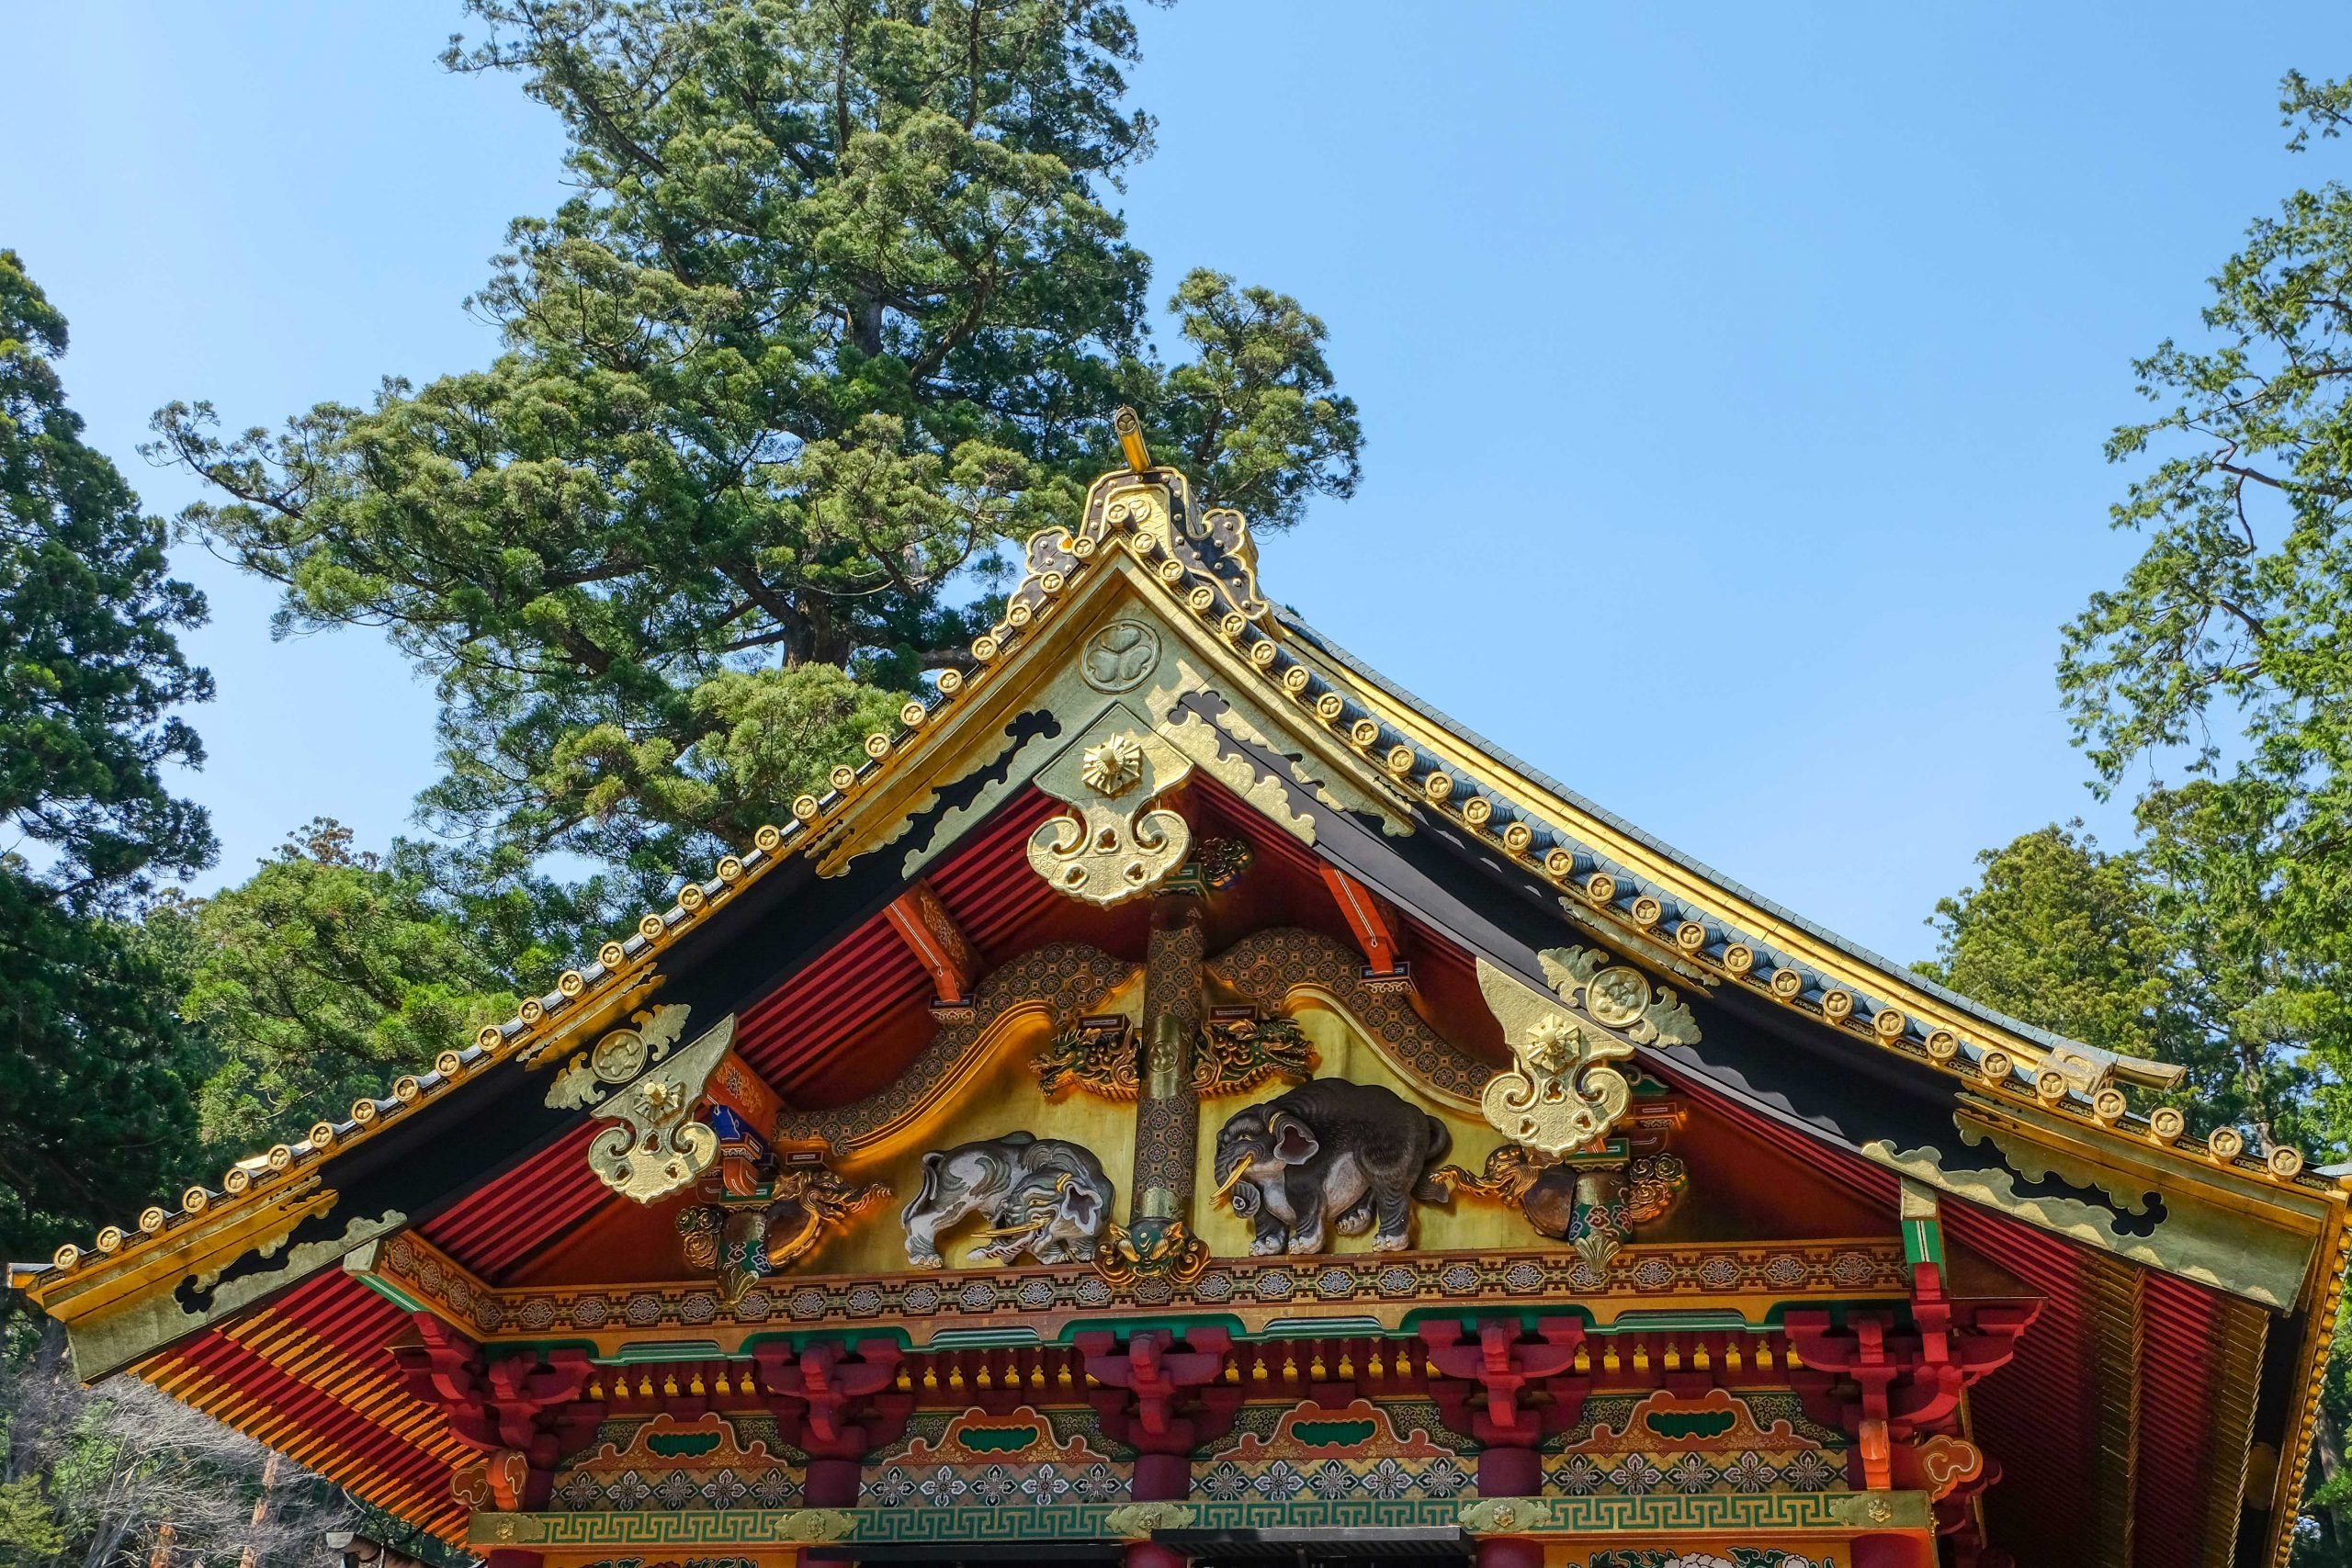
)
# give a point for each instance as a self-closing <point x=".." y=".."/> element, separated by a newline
<point x="1114" y="767"/>
<point x="1552" y="1043"/>
<point x="661" y="1098"/>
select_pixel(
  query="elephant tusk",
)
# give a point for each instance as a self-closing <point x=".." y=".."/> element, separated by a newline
<point x="1241" y="1169"/>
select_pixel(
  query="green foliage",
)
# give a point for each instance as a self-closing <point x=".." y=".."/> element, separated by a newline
<point x="839" y="310"/>
<point x="89" y="667"/>
<point x="2221" y="654"/>
<point x="2223" y="650"/>
<point x="2158" y="953"/>
<point x="1257" y="423"/>
<point x="319" y="980"/>
<point x="29" y="1530"/>
<point x="2063" y="936"/>
<point x="95" y="1118"/>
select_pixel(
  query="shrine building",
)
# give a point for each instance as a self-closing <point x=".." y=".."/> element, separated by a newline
<point x="1178" y="1098"/>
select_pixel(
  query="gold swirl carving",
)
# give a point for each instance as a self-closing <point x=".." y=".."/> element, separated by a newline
<point x="1115" y="845"/>
<point x="619" y="1057"/>
<point x="655" y="1146"/>
<point x="1559" y="1096"/>
<point x="1152" y="1248"/>
<point x="1061" y="981"/>
<point x="1560" y="1093"/>
<point x="1619" y="996"/>
<point x="1274" y="969"/>
<point x="1504" y="1516"/>
<point x="1135" y="1521"/>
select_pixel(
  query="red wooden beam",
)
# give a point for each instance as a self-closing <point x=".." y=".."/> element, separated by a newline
<point x="939" y="944"/>
<point x="1376" y="932"/>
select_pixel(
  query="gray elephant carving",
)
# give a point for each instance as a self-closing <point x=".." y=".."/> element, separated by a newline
<point x="1046" y="1196"/>
<point x="1328" y="1154"/>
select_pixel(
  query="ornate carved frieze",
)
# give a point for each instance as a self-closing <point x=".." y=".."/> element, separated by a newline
<point x="1046" y="1198"/>
<point x="779" y="1225"/>
<point x="1100" y="1054"/>
<point x="1232" y="1055"/>
<point x="1329" y="1155"/>
<point x="1062" y="980"/>
<point x="1254" y="1291"/>
<point x="1274" y="969"/>
<point x="1235" y="1054"/>
<point x="1593" y="1202"/>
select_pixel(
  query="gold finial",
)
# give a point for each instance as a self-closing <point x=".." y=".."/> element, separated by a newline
<point x="1130" y="431"/>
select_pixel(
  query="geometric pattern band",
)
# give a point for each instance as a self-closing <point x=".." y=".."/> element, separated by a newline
<point x="1387" y="1286"/>
<point x="1708" y="1513"/>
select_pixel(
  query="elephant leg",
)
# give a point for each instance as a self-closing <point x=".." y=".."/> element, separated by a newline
<point x="923" y="1240"/>
<point x="1358" y="1219"/>
<point x="1310" y="1236"/>
<point x="1268" y="1234"/>
<point x="1396" y="1208"/>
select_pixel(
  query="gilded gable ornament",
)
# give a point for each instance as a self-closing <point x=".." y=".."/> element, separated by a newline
<point x="1619" y="996"/>
<point x="620" y="1055"/>
<point x="1560" y="1092"/>
<point x="1560" y="1095"/>
<point x="1114" y="844"/>
<point x="655" y="1146"/>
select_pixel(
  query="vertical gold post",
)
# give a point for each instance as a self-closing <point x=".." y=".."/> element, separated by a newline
<point x="1130" y="431"/>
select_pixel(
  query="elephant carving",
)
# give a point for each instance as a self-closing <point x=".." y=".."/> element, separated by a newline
<point x="1043" y="1196"/>
<point x="1327" y="1153"/>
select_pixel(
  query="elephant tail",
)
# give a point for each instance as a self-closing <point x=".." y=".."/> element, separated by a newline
<point x="928" y="1194"/>
<point x="1428" y="1189"/>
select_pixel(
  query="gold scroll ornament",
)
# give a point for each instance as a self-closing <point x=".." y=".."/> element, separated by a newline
<point x="1560" y="1093"/>
<point x="656" y="1146"/>
<point x="1113" y="845"/>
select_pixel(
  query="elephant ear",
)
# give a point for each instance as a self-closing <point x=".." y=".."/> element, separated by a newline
<point x="1080" y="1205"/>
<point x="1294" y="1141"/>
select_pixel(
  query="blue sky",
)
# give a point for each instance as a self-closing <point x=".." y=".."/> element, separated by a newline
<point x="1734" y="376"/>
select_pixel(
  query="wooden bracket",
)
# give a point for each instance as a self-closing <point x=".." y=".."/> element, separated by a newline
<point x="1376" y="932"/>
<point x="1492" y="1367"/>
<point x="940" y="945"/>
<point x="523" y="1411"/>
<point x="1154" y="1396"/>
<point x="834" y="1402"/>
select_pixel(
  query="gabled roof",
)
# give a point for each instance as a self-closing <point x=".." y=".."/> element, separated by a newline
<point x="1842" y="1045"/>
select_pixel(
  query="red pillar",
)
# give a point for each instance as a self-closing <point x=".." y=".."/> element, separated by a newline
<point x="1510" y="1473"/>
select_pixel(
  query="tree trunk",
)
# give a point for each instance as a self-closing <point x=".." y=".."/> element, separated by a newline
<point x="2327" y="1445"/>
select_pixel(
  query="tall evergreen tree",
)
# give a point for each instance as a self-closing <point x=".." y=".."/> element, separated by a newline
<point x="840" y="309"/>
<point x="95" y="1116"/>
<point x="90" y="666"/>
<point x="2221" y="654"/>
<point x="2220" y="658"/>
